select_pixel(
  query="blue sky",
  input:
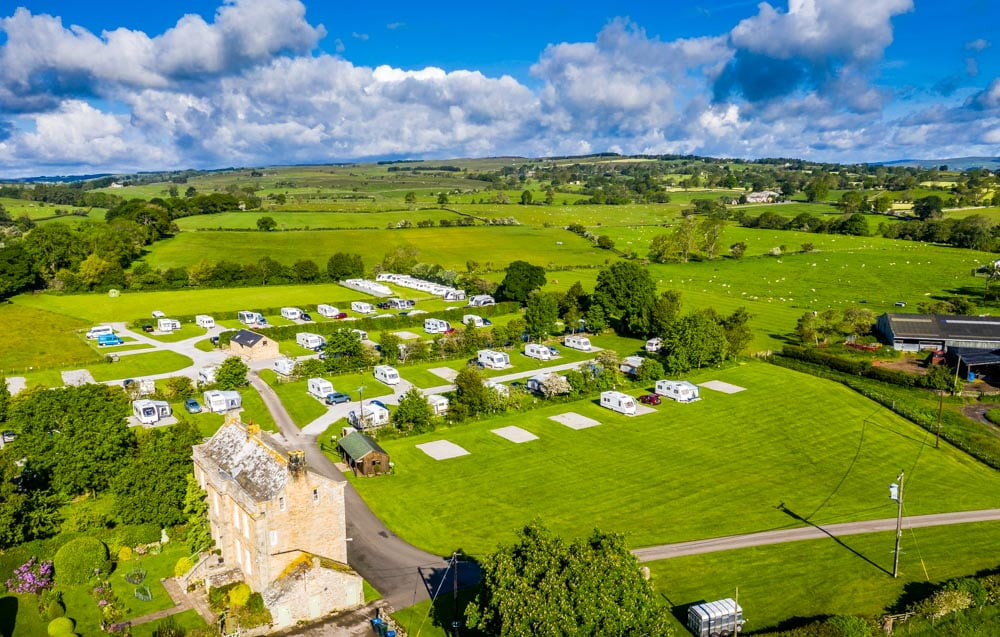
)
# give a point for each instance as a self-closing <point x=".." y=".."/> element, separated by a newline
<point x="120" y="86"/>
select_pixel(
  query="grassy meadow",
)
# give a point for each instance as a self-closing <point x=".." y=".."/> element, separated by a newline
<point x="38" y="338"/>
<point x="726" y="462"/>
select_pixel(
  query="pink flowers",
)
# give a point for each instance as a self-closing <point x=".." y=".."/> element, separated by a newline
<point x="31" y="577"/>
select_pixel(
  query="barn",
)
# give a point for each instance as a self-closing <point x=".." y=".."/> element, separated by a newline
<point x="251" y="346"/>
<point x="917" y="332"/>
<point x="363" y="455"/>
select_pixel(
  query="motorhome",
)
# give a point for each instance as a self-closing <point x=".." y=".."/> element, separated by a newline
<point x="492" y="359"/>
<point x="104" y="340"/>
<point x="581" y="343"/>
<point x="167" y="324"/>
<point x="619" y="402"/>
<point x="479" y="300"/>
<point x="309" y="340"/>
<point x="327" y="310"/>
<point x="436" y="326"/>
<point x="284" y="366"/>
<point x="680" y="390"/>
<point x="205" y="321"/>
<point x="319" y="387"/>
<point x="220" y="401"/>
<point x="387" y="374"/>
<point x="98" y="331"/>
<point x="362" y="308"/>
<point x="291" y="313"/>
<point x="539" y="351"/>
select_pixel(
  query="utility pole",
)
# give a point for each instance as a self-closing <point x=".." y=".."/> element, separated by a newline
<point x="456" y="623"/>
<point x="896" y="493"/>
<point x="937" y="440"/>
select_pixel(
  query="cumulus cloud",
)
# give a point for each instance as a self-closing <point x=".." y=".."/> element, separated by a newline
<point x="977" y="45"/>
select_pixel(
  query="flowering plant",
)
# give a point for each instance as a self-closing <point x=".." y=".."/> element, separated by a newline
<point x="31" y="577"/>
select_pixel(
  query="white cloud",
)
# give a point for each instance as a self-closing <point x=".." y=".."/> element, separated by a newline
<point x="977" y="45"/>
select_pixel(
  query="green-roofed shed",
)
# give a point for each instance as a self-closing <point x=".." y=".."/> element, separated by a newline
<point x="363" y="455"/>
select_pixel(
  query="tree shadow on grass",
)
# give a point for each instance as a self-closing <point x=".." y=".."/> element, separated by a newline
<point x="833" y="537"/>
<point x="8" y="615"/>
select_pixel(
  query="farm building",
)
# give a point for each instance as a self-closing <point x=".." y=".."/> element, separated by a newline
<point x="438" y="403"/>
<point x="916" y="332"/>
<point x="363" y="455"/>
<point x="970" y="363"/>
<point x="631" y="364"/>
<point x="252" y="346"/>
<point x="280" y="527"/>
<point x="149" y="412"/>
<point x="219" y="401"/>
<point x="680" y="390"/>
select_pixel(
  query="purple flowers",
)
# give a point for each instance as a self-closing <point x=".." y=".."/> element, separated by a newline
<point x="31" y="577"/>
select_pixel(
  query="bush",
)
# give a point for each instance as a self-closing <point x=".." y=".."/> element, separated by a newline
<point x="168" y="628"/>
<point x="217" y="597"/>
<point x="79" y="560"/>
<point x="124" y="554"/>
<point x="993" y="415"/>
<point x="850" y="626"/>
<point x="943" y="603"/>
<point x="239" y="595"/>
<point x="55" y="610"/>
<point x="975" y="588"/>
<point x="60" y="626"/>
<point x="182" y="566"/>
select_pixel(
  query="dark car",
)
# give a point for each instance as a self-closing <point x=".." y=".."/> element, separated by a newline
<point x="214" y="340"/>
<point x="379" y="403"/>
<point x="337" y="397"/>
<point x="649" y="399"/>
<point x="192" y="406"/>
<point x="487" y="322"/>
<point x="148" y="328"/>
<point x="341" y="315"/>
<point x="384" y="305"/>
<point x="553" y="351"/>
<point x="128" y="382"/>
<point x="306" y="317"/>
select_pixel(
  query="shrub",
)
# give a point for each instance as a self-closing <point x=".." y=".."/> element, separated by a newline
<point x="850" y="626"/>
<point x="168" y="628"/>
<point x="993" y="415"/>
<point x="124" y="554"/>
<point x="182" y="566"/>
<point x="943" y="603"/>
<point x="976" y="590"/>
<point x="55" y="610"/>
<point x="136" y="576"/>
<point x="239" y="595"/>
<point x="79" y="560"/>
<point x="217" y="597"/>
<point x="60" y="626"/>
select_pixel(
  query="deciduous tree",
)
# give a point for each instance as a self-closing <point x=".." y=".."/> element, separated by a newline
<point x="626" y="291"/>
<point x="232" y="373"/>
<point x="521" y="279"/>
<point x="541" y="314"/>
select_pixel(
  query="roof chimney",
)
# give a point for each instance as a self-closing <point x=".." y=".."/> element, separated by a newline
<point x="296" y="462"/>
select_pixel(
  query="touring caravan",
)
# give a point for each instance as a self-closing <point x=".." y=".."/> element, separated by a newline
<point x="149" y="412"/>
<point x="654" y="345"/>
<point x="368" y="417"/>
<point x="362" y="308"/>
<point x="205" y="321"/>
<point x="206" y="375"/>
<point x="581" y="343"/>
<point x="387" y="374"/>
<point x="219" y="401"/>
<point x="309" y="340"/>
<point x="721" y="617"/>
<point x="291" y="313"/>
<point x="327" y="311"/>
<point x="284" y="366"/>
<point x="479" y="300"/>
<point x="400" y="304"/>
<point x="438" y="403"/>
<point x="680" y="390"/>
<point x="319" y="387"/>
<point x="98" y="331"/>
<point x="618" y="401"/>
<point x="251" y="318"/>
<point x="476" y="321"/>
<point x="492" y="359"/>
<point x="436" y="326"/>
<point x="362" y="335"/>
<point x="539" y="351"/>
<point x="167" y="324"/>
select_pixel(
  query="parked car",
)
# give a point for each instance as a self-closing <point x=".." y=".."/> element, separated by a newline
<point x="487" y="322"/>
<point x="554" y="351"/>
<point x="341" y="315"/>
<point x="214" y="340"/>
<point x="450" y="330"/>
<point x="306" y="317"/>
<point x="337" y="397"/>
<point x="379" y="403"/>
<point x="649" y="399"/>
<point x="148" y="328"/>
<point x="517" y="383"/>
<point x="128" y="382"/>
<point x="192" y="406"/>
<point x="900" y="303"/>
<point x="384" y="305"/>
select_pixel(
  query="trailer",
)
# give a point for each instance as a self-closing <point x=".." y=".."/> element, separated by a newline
<point x="205" y="321"/>
<point x="167" y="324"/>
<point x="438" y="403"/>
<point x="619" y="402"/>
<point x="291" y="313"/>
<point x="251" y="318"/>
<point x="436" y="326"/>
<point x="492" y="359"/>
<point x="284" y="366"/>
<point x="99" y="330"/>
<point x="368" y="417"/>
<point x="220" y="401"/>
<point x="105" y="340"/>
<point x="680" y="390"/>
<point x="149" y="412"/>
<point x="387" y="374"/>
<point x="362" y="308"/>
<point x="481" y="300"/>
<point x="327" y="311"/>
<point x="309" y="340"/>
<point x="319" y="387"/>
<point x="539" y="351"/>
<point x="721" y="618"/>
<point x="581" y="343"/>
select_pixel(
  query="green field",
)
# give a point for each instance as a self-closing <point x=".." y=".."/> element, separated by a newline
<point x="302" y="407"/>
<point x="37" y="338"/>
<point x="289" y="219"/>
<point x="137" y="365"/>
<point x="717" y="467"/>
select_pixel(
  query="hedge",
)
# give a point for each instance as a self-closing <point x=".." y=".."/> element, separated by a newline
<point x="856" y="367"/>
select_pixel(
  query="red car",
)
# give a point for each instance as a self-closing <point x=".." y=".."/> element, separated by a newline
<point x="342" y="315"/>
<point x="649" y="399"/>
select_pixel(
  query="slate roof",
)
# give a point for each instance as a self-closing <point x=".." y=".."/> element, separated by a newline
<point x="357" y="445"/>
<point x="945" y="327"/>
<point x="257" y="463"/>
<point x="246" y="338"/>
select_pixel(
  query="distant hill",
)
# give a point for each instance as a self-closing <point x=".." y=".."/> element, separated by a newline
<point x="953" y="163"/>
<point x="55" y="179"/>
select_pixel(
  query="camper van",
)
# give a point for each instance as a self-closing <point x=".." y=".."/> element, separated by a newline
<point x="581" y="343"/>
<point x="436" y="326"/>
<point x="539" y="351"/>
<point x="387" y="374"/>
<point x="492" y="359"/>
<point x="320" y="387"/>
<point x="205" y="321"/>
<point x="98" y="331"/>
<point x="219" y="401"/>
<point x="284" y="366"/>
<point x="327" y="310"/>
<point x="291" y="313"/>
<point x="104" y="340"/>
<point x="680" y="390"/>
<point x="438" y="403"/>
<point x="309" y="340"/>
<point x="362" y="308"/>
<point x="617" y="401"/>
<point x="167" y="324"/>
<point x="251" y="318"/>
<point x="206" y="375"/>
<point x="480" y="300"/>
<point x="149" y="412"/>
<point x="368" y="417"/>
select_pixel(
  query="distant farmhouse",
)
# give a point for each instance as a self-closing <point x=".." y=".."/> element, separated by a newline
<point x="280" y="526"/>
<point x="252" y="346"/>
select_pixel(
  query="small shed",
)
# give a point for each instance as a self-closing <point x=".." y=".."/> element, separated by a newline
<point x="252" y="346"/>
<point x="363" y="455"/>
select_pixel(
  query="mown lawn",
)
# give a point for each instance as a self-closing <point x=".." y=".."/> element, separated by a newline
<point x="302" y="407"/>
<point x="137" y="365"/>
<point x="716" y="467"/>
<point x="188" y="620"/>
<point x="38" y="339"/>
<point x="254" y="410"/>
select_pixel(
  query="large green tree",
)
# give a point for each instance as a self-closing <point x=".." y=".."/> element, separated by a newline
<point x="544" y="585"/>
<point x="414" y="412"/>
<point x="626" y="291"/>
<point x="342" y="266"/>
<point x="27" y="511"/>
<point x="541" y="314"/>
<point x="694" y="340"/>
<point x="521" y="279"/>
<point x="232" y="373"/>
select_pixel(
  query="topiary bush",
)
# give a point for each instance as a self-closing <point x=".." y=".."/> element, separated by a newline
<point x="55" y="609"/>
<point x="60" y="626"/>
<point x="124" y="554"/>
<point x="79" y="560"/>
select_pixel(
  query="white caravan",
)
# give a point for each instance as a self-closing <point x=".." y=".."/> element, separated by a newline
<point x="436" y="326"/>
<point x="654" y="345"/>
<point x="362" y="308"/>
<point x="284" y="366"/>
<point x="680" y="390"/>
<point x="309" y="340"/>
<point x="250" y="318"/>
<point x="168" y="325"/>
<point x="320" y="387"/>
<point x="493" y="359"/>
<point x="219" y="401"/>
<point x="387" y="374"/>
<point x="618" y="401"/>
<point x="205" y="321"/>
<point x="327" y="310"/>
<point x="291" y="313"/>
<point x="539" y="351"/>
<point x="438" y="403"/>
<point x="206" y="375"/>
<point x="480" y="300"/>
<point x="149" y="412"/>
<point x="99" y="330"/>
<point x="581" y="343"/>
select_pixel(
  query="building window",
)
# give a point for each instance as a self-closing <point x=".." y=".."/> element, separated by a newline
<point x="281" y="503"/>
<point x="249" y="564"/>
<point x="274" y="538"/>
<point x="236" y="517"/>
<point x="315" y="495"/>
